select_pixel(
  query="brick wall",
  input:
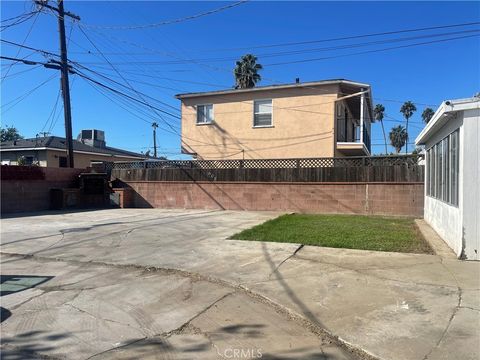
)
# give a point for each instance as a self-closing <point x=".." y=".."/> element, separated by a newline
<point x="404" y="199"/>
<point x="27" y="188"/>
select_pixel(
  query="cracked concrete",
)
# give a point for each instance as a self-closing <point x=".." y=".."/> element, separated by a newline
<point x="150" y="283"/>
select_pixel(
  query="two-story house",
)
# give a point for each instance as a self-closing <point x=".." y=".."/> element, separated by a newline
<point x="330" y="118"/>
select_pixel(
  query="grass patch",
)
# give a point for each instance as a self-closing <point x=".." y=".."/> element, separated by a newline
<point x="341" y="231"/>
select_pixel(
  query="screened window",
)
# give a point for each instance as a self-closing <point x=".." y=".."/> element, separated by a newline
<point x="446" y="171"/>
<point x="433" y="177"/>
<point x="429" y="171"/>
<point x="454" y="156"/>
<point x="262" y="113"/>
<point x="204" y="114"/>
<point x="442" y="171"/>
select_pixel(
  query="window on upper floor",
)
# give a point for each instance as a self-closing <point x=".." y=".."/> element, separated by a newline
<point x="262" y="113"/>
<point x="204" y="114"/>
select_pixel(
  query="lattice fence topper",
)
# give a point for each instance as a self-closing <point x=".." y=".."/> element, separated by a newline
<point x="353" y="161"/>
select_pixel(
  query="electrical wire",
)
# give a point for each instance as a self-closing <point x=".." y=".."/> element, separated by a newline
<point x="128" y="87"/>
<point x="24" y="40"/>
<point x="296" y="52"/>
<point x="349" y="37"/>
<point x="52" y="113"/>
<point x="153" y="108"/>
<point x="371" y="51"/>
<point x="22" y="72"/>
<point x="166" y="22"/>
<point x="212" y="67"/>
<point x="22" y="18"/>
<point x="24" y="96"/>
<point x="29" y="47"/>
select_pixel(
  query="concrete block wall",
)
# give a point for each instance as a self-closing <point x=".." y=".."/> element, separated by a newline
<point x="25" y="189"/>
<point x="404" y="199"/>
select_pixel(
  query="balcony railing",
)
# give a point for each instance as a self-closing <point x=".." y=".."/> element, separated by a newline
<point x="355" y="136"/>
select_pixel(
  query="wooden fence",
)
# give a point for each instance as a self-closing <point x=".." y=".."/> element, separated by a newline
<point x="351" y="161"/>
<point x="398" y="169"/>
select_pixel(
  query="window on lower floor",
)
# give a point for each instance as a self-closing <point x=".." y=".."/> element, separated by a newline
<point x="28" y="160"/>
<point x="443" y="169"/>
<point x="62" y="161"/>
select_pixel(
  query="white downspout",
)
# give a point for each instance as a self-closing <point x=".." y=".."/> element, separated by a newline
<point x="362" y="111"/>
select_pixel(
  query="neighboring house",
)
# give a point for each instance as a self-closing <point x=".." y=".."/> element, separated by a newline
<point x="50" y="151"/>
<point x="452" y="187"/>
<point x="301" y="120"/>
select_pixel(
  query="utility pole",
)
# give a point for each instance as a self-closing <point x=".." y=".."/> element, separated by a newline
<point x="64" y="69"/>
<point x="154" y="126"/>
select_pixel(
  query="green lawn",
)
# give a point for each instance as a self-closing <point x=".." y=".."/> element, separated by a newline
<point x="341" y="231"/>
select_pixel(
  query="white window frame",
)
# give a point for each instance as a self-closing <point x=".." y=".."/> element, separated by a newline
<point x="443" y="181"/>
<point x="254" y="113"/>
<point x="206" y="122"/>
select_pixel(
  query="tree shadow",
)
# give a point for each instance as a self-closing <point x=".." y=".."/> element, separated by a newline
<point x="29" y="345"/>
<point x="289" y="291"/>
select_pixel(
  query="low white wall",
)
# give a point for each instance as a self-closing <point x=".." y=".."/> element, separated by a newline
<point x="446" y="220"/>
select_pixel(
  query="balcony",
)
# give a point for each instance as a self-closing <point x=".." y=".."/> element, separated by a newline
<point x="353" y="121"/>
<point x="354" y="144"/>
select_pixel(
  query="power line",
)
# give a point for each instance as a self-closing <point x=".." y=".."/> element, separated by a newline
<point x="166" y="22"/>
<point x="296" y="52"/>
<point x="22" y="71"/>
<point x="24" y="96"/>
<point x="129" y="85"/>
<point x="211" y="67"/>
<point x="20" y="16"/>
<point x="123" y="94"/>
<point x="212" y="85"/>
<point x="350" y="37"/>
<point x="371" y="51"/>
<point x="174" y="132"/>
<point x="24" y="40"/>
<point x="102" y="91"/>
<point x="28" y="47"/>
<point x="52" y="113"/>
<point x="21" y="19"/>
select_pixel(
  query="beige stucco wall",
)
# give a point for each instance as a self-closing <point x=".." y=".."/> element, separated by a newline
<point x="303" y="125"/>
<point x="12" y="157"/>
<point x="50" y="157"/>
<point x="82" y="160"/>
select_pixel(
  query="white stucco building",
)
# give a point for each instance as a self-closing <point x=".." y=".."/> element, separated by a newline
<point x="452" y="186"/>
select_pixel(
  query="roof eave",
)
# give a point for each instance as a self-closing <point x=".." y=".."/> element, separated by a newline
<point x="439" y="118"/>
<point x="267" y="88"/>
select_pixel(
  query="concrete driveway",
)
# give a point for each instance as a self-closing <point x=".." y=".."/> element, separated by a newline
<point x="150" y="283"/>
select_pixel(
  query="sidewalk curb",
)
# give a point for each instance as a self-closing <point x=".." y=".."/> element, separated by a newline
<point x="438" y="246"/>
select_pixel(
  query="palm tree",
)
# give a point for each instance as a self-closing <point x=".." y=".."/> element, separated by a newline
<point x="407" y="109"/>
<point x="398" y="137"/>
<point x="246" y="72"/>
<point x="427" y="114"/>
<point x="378" y="114"/>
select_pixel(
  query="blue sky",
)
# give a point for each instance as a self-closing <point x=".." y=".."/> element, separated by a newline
<point x="425" y="74"/>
